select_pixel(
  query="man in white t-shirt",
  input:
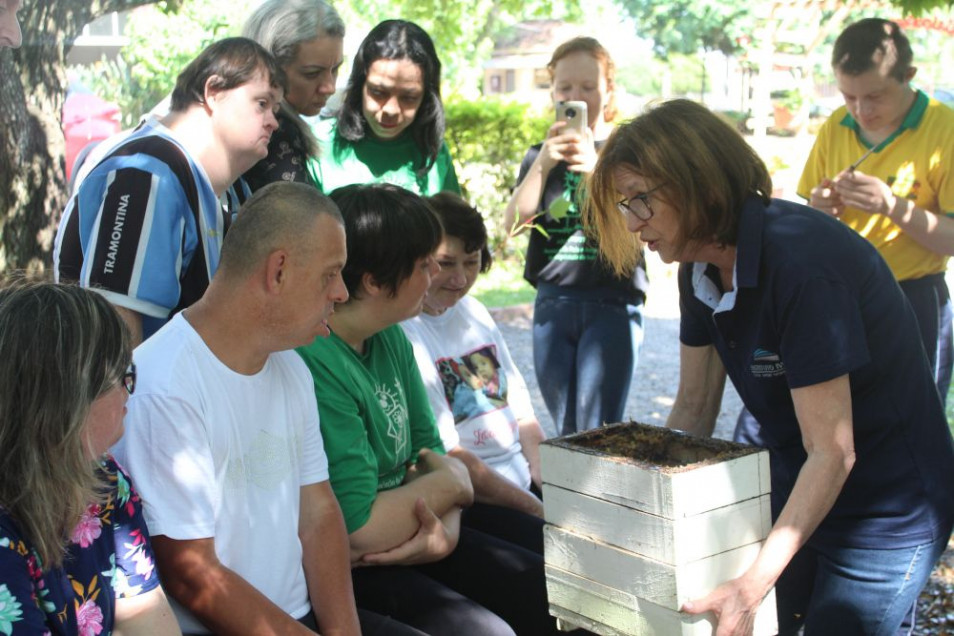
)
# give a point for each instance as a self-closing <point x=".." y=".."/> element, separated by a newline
<point x="223" y="439"/>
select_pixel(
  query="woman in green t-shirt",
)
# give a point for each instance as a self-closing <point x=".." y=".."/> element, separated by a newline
<point x="390" y="128"/>
<point x="400" y="495"/>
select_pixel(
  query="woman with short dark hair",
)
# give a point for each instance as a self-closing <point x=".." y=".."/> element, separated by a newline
<point x="75" y="556"/>
<point x="400" y="495"/>
<point x="391" y="124"/>
<point x="805" y="317"/>
<point x="478" y="395"/>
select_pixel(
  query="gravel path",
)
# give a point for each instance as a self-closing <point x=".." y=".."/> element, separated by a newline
<point x="657" y="373"/>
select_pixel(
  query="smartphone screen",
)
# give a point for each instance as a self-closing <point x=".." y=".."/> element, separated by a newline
<point x="574" y="114"/>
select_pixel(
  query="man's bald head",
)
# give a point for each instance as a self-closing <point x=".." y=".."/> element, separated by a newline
<point x="277" y="217"/>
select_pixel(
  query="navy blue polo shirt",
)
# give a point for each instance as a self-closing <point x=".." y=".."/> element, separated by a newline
<point x="812" y="301"/>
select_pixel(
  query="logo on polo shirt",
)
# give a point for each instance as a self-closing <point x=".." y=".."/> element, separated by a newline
<point x="766" y="364"/>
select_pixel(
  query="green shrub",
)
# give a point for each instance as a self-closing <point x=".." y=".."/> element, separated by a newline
<point x="488" y="139"/>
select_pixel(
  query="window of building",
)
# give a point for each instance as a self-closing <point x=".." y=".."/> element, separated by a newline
<point x="541" y="79"/>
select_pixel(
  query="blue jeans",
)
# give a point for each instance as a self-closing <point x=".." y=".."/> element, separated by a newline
<point x="585" y="348"/>
<point x="846" y="591"/>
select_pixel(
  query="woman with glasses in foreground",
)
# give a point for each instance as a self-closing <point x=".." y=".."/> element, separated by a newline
<point x="74" y="549"/>
<point x="805" y="318"/>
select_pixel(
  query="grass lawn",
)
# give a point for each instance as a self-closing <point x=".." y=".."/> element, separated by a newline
<point x="503" y="285"/>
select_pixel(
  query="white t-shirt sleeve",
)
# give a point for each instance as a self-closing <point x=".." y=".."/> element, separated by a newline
<point x="314" y="461"/>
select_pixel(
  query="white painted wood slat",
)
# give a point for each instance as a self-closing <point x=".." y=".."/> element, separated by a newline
<point x="661" y="583"/>
<point x="669" y="494"/>
<point x="673" y="541"/>
<point x="610" y="612"/>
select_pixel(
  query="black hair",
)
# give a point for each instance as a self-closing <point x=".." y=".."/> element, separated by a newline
<point x="397" y="40"/>
<point x="389" y="229"/>
<point x="232" y="62"/>
<point x="867" y="43"/>
<point x="461" y="220"/>
<point x="485" y="351"/>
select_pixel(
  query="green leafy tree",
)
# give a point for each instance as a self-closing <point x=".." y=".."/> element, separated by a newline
<point x="162" y="41"/>
<point x="32" y="149"/>
<point x="918" y="8"/>
<point x="462" y="30"/>
<point x="686" y="26"/>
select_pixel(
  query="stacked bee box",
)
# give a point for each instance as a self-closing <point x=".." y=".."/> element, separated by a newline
<point x="641" y="519"/>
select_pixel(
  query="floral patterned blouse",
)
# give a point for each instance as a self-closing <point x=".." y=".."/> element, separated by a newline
<point x="109" y="557"/>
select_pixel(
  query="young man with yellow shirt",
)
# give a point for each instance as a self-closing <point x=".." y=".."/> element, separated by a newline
<point x="901" y="195"/>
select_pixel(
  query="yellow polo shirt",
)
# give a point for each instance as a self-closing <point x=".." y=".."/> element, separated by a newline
<point x="917" y="163"/>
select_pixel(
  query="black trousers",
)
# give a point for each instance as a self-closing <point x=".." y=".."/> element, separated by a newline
<point x="371" y="625"/>
<point x="486" y="587"/>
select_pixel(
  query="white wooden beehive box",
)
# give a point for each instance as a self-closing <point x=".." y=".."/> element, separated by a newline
<point x="641" y="519"/>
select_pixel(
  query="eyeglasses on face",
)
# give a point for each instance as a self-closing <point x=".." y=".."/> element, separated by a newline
<point x="642" y="211"/>
<point x="129" y="379"/>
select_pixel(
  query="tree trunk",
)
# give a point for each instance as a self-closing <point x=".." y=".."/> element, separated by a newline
<point x="32" y="149"/>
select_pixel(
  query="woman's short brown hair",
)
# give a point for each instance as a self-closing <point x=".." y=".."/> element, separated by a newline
<point x="598" y="52"/>
<point x="705" y="169"/>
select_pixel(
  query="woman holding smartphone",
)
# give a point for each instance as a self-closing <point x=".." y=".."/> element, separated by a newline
<point x="390" y="128"/>
<point x="587" y="320"/>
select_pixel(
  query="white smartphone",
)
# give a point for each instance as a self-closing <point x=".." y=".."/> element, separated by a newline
<point x="574" y="114"/>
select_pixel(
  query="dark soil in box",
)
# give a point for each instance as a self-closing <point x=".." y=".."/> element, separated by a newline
<point x="654" y="446"/>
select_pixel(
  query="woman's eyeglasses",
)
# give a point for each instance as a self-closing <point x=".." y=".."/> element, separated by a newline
<point x="642" y="211"/>
<point x="129" y="379"/>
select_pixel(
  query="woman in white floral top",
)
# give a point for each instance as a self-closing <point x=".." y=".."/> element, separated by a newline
<point x="74" y="550"/>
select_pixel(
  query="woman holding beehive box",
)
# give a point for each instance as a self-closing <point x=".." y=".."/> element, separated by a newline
<point x="807" y="321"/>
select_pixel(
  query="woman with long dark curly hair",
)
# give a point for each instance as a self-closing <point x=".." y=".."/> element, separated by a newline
<point x="391" y="125"/>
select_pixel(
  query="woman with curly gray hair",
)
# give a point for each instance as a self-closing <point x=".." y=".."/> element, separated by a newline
<point x="306" y="37"/>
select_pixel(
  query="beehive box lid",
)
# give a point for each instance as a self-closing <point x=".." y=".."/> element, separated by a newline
<point x="656" y="470"/>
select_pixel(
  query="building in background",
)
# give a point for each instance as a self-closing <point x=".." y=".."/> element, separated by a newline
<point x="517" y="68"/>
<point x="101" y="38"/>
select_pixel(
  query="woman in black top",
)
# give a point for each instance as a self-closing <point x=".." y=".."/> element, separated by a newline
<point x="306" y="37"/>
<point x="587" y="324"/>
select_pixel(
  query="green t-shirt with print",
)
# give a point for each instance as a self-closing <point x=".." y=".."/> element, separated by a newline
<point x="371" y="160"/>
<point x="375" y="416"/>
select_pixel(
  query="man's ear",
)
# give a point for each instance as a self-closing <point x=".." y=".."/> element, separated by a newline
<point x="211" y="92"/>
<point x="276" y="271"/>
<point x="370" y="287"/>
<point x="910" y="73"/>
